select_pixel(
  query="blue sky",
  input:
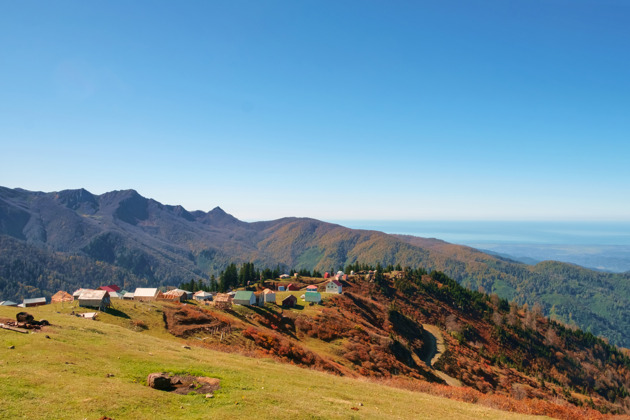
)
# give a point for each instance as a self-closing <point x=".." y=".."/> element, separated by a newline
<point x="419" y="110"/>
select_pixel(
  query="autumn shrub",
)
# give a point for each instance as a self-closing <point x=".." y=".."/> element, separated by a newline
<point x="139" y="325"/>
<point x="278" y="346"/>
<point x="326" y="327"/>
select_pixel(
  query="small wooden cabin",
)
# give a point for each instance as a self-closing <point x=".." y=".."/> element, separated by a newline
<point x="95" y="299"/>
<point x="289" y="301"/>
<point x="61" y="296"/>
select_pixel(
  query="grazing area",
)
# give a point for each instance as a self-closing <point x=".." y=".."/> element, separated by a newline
<point x="402" y="329"/>
<point x="89" y="369"/>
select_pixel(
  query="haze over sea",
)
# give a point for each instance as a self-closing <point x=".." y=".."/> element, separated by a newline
<point x="598" y="245"/>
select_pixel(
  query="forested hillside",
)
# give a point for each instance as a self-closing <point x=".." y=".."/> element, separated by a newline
<point x="60" y="240"/>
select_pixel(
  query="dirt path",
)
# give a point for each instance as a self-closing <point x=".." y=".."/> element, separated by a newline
<point x="436" y="342"/>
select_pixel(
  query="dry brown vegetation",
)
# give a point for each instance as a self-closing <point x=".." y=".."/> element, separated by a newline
<point x="508" y="357"/>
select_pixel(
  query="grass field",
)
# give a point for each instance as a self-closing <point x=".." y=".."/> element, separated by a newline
<point x="66" y="377"/>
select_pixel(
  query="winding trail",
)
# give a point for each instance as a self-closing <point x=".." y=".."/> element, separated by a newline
<point x="433" y="336"/>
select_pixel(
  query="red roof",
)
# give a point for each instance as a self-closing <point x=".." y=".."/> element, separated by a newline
<point x="336" y="283"/>
<point x="110" y="288"/>
<point x="312" y="286"/>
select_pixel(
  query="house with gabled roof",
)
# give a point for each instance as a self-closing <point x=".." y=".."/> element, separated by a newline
<point x="145" y="294"/>
<point x="61" y="296"/>
<point x="173" y="296"/>
<point x="333" y="286"/>
<point x="189" y="295"/>
<point x="244" y="297"/>
<point x="34" y="302"/>
<point x="289" y="301"/>
<point x="202" y="296"/>
<point x="95" y="299"/>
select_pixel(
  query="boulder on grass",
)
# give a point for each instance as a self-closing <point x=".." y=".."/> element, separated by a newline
<point x="24" y="317"/>
<point x="160" y="381"/>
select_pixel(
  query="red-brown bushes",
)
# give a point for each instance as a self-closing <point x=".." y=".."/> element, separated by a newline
<point x="183" y="321"/>
<point x="286" y="350"/>
<point x="500" y="402"/>
<point x="326" y="326"/>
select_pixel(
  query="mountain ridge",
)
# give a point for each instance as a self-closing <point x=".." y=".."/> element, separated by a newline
<point x="152" y="243"/>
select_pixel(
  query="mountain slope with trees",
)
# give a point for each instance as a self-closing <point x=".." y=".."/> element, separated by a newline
<point x="61" y="240"/>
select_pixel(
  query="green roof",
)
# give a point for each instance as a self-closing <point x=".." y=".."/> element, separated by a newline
<point x="243" y="295"/>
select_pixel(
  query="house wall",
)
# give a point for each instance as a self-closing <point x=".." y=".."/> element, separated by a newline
<point x="250" y="302"/>
<point x="332" y="288"/>
<point x="91" y="303"/>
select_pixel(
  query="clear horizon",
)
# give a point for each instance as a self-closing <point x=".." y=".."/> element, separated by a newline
<point x="337" y="111"/>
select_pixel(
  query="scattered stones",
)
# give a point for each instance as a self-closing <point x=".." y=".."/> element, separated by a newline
<point x="209" y="395"/>
<point x="186" y="347"/>
<point x="26" y="320"/>
<point x="11" y="347"/>
<point x="47" y="336"/>
<point x="109" y="375"/>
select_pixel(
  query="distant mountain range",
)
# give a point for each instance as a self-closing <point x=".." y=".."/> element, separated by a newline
<point x="72" y="238"/>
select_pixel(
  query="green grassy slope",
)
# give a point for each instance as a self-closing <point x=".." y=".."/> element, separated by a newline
<point x="66" y="375"/>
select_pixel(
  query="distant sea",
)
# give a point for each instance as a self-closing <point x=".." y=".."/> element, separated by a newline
<point x="598" y="245"/>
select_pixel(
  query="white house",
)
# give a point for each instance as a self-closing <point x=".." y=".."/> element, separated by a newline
<point x="145" y="293"/>
<point x="201" y="296"/>
<point x="269" y="296"/>
<point x="333" y="286"/>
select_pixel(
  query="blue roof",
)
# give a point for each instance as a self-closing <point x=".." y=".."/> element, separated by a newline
<point x="34" y="300"/>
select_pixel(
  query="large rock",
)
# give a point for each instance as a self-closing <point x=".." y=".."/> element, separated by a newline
<point x="24" y="317"/>
<point x="159" y="381"/>
<point x="183" y="384"/>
